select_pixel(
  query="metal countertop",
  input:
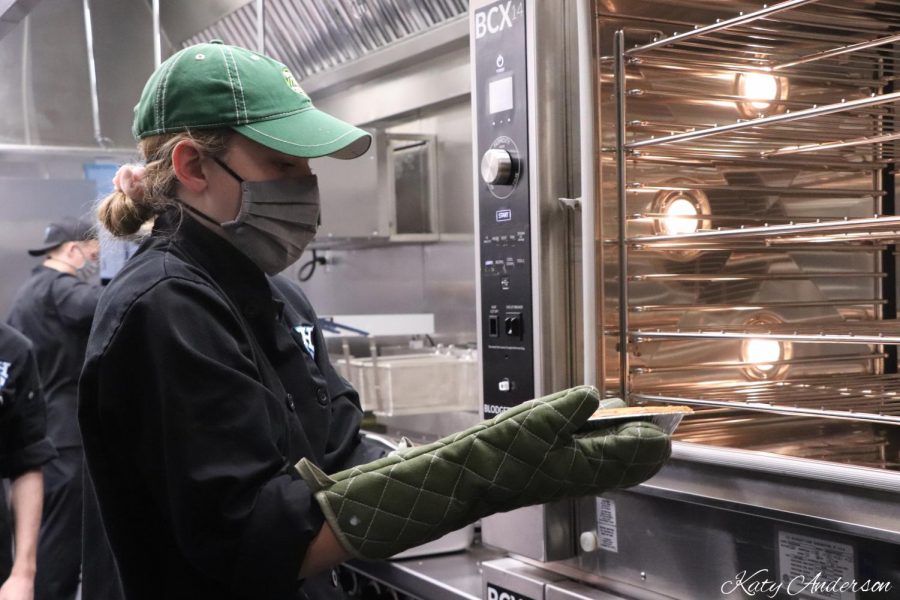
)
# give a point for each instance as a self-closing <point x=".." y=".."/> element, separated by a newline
<point x="454" y="576"/>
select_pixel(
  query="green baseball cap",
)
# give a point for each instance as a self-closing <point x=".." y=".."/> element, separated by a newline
<point x="215" y="85"/>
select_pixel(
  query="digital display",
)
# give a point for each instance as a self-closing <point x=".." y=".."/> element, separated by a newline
<point x="500" y="95"/>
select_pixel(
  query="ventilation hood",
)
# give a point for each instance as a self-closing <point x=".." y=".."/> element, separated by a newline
<point x="314" y="36"/>
<point x="12" y="12"/>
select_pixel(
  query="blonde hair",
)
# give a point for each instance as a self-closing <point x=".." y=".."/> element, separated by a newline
<point x="124" y="216"/>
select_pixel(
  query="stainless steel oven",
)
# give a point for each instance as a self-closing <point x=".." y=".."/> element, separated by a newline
<point x="693" y="202"/>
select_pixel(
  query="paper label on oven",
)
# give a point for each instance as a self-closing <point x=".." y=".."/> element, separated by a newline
<point x="607" y="530"/>
<point x="815" y="568"/>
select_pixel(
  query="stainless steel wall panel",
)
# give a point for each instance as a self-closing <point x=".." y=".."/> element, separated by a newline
<point x="543" y="532"/>
<point x="409" y="278"/>
<point x="450" y="126"/>
<point x="450" y="288"/>
<point x="399" y="95"/>
<point x="370" y="281"/>
<point x="676" y="549"/>
<point x="354" y="207"/>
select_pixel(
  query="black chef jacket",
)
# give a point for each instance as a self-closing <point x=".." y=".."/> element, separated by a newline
<point x="54" y="310"/>
<point x="202" y="388"/>
<point x="23" y="425"/>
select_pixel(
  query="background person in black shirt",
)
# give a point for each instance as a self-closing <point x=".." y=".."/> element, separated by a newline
<point x="54" y="309"/>
<point x="24" y="448"/>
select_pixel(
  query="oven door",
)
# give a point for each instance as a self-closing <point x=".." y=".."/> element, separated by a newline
<point x="734" y="184"/>
<point x="746" y="267"/>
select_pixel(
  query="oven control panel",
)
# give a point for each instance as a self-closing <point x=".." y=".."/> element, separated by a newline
<point x="503" y="204"/>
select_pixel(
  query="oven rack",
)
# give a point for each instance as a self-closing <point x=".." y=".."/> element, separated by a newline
<point x="834" y="131"/>
<point x="861" y="72"/>
<point x="847" y="230"/>
<point x="875" y="398"/>
<point x="759" y="247"/>
<point x="862" y="444"/>
<point x="838" y="114"/>
<point x="793" y="38"/>
<point x="861" y="135"/>
<point x="754" y="306"/>
<point x="738" y="364"/>
<point x="857" y="332"/>
<point x="737" y="277"/>
<point x="740" y="219"/>
<point x="711" y="159"/>
<point x="642" y="188"/>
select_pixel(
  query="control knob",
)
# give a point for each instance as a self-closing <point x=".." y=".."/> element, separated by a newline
<point x="497" y="167"/>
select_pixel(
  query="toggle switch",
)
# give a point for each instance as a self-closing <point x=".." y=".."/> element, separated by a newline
<point x="493" y="326"/>
<point x="513" y="325"/>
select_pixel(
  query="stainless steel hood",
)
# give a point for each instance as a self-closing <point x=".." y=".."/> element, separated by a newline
<point x="48" y="94"/>
<point x="312" y="36"/>
<point x="12" y="12"/>
<point x="44" y="65"/>
<point x="180" y="20"/>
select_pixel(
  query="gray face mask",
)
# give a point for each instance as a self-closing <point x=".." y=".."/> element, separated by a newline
<point x="277" y="220"/>
<point x="89" y="269"/>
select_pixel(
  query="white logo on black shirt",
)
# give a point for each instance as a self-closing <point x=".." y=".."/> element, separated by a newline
<point x="306" y="332"/>
<point x="4" y="372"/>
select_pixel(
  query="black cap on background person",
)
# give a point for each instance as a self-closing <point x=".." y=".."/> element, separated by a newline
<point x="66" y="229"/>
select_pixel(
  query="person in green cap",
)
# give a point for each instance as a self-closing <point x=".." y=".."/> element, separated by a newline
<point x="223" y="447"/>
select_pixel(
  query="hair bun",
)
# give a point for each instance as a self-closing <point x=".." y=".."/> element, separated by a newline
<point x="129" y="180"/>
<point x="122" y="215"/>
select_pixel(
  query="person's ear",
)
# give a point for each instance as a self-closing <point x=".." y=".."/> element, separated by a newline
<point x="187" y="162"/>
<point x="68" y="250"/>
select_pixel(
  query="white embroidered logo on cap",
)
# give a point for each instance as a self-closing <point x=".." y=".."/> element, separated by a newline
<point x="306" y="332"/>
<point x="291" y="81"/>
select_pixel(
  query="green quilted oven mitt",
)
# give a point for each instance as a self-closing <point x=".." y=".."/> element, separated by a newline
<point x="527" y="455"/>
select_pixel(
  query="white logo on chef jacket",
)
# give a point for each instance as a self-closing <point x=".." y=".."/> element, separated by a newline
<point x="496" y="19"/>
<point x="306" y="333"/>
<point x="4" y="372"/>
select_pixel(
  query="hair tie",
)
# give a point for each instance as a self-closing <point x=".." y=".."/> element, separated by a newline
<point x="129" y="180"/>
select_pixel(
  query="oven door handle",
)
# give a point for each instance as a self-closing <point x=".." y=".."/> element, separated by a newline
<point x="588" y="145"/>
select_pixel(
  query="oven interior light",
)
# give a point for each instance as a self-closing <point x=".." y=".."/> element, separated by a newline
<point x="675" y="221"/>
<point x="762" y="353"/>
<point x="759" y="89"/>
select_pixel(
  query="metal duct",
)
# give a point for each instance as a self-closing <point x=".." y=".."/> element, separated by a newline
<point x="312" y="36"/>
